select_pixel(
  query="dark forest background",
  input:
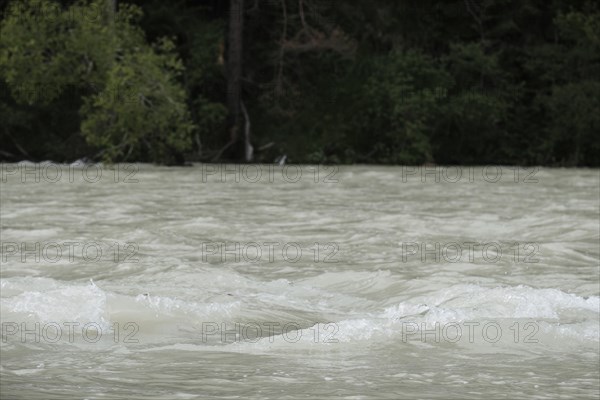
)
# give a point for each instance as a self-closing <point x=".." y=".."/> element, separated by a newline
<point x="320" y="81"/>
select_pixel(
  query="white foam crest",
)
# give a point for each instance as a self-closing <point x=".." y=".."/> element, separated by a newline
<point x="76" y="303"/>
<point x="556" y="315"/>
<point x="176" y="307"/>
<point x="472" y="301"/>
<point x="46" y="300"/>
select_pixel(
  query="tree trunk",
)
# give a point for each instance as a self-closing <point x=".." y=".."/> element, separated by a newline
<point x="111" y="6"/>
<point x="234" y="74"/>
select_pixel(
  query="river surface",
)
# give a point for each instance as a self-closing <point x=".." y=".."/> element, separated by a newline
<point x="361" y="282"/>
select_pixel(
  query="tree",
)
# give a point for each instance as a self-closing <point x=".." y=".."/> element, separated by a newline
<point x="127" y="92"/>
<point x="235" y="104"/>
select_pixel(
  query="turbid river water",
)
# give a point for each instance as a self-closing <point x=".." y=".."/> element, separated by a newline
<point x="360" y="282"/>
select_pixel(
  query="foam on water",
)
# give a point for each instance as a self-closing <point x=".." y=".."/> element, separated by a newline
<point x="556" y="313"/>
<point x="371" y="323"/>
<point x="55" y="302"/>
<point x="461" y="302"/>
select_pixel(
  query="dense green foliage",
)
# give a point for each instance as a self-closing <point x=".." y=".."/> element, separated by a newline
<point x="123" y="93"/>
<point x="403" y="81"/>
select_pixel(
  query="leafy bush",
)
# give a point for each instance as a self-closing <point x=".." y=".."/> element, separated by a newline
<point x="402" y="97"/>
<point x="131" y="100"/>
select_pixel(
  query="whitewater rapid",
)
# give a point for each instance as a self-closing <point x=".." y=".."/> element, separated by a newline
<point x="357" y="282"/>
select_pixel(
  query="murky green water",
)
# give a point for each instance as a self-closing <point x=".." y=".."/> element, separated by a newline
<point x="358" y="283"/>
